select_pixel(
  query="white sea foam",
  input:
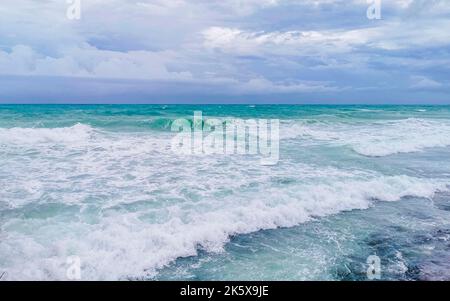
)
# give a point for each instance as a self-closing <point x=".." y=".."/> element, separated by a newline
<point x="381" y="138"/>
<point x="78" y="132"/>
<point x="127" y="206"/>
<point x="127" y="220"/>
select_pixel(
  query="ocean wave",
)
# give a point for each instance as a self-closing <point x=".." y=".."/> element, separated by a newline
<point x="125" y="245"/>
<point x="76" y="133"/>
<point x="160" y="123"/>
<point x="376" y="139"/>
<point x="127" y="206"/>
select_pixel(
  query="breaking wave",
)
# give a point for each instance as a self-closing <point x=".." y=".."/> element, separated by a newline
<point x="376" y="139"/>
<point x="78" y="132"/>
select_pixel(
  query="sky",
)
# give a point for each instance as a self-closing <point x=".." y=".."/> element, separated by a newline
<point x="229" y="51"/>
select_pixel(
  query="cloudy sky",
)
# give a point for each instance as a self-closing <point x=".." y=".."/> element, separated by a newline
<point x="277" y="51"/>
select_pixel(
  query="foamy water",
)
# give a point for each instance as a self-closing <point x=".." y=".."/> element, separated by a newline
<point x="379" y="138"/>
<point x="101" y="183"/>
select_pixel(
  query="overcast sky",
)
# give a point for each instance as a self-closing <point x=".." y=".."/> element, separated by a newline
<point x="277" y="51"/>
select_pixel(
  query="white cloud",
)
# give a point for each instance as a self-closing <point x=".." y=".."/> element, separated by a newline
<point x="246" y="7"/>
<point x="90" y="62"/>
<point x="291" y="42"/>
<point x="388" y="36"/>
<point x="211" y="40"/>
<point x="423" y="82"/>
<point x="263" y="85"/>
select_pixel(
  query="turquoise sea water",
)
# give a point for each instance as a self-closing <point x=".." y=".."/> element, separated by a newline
<point x="100" y="182"/>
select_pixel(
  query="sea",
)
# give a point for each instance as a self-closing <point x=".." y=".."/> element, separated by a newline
<point x="98" y="188"/>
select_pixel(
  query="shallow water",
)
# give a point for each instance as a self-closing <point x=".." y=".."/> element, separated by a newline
<point x="101" y="183"/>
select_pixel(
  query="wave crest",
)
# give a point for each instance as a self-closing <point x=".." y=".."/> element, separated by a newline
<point x="76" y="133"/>
<point x="377" y="139"/>
<point x="123" y="245"/>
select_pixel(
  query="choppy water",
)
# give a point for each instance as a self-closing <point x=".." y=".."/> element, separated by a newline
<point x="101" y="183"/>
